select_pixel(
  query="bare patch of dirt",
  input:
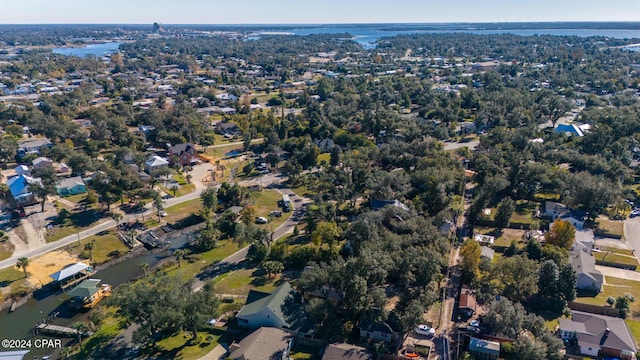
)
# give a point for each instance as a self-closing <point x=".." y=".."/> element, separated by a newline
<point x="42" y="266"/>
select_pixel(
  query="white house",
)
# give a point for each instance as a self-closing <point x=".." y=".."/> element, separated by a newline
<point x="599" y="335"/>
<point x="155" y="162"/>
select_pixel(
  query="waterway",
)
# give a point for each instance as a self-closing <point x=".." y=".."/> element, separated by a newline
<point x="19" y="324"/>
<point x="368" y="35"/>
<point x="97" y="50"/>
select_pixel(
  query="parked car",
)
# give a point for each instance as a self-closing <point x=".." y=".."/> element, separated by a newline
<point x="261" y="220"/>
<point x="475" y="323"/>
<point x="163" y="213"/>
<point x="276" y="213"/>
<point x="424" y="330"/>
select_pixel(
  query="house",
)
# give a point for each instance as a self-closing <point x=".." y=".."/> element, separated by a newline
<point x="599" y="335"/>
<point x="32" y="146"/>
<point x="379" y="204"/>
<point x="71" y="186"/>
<point x="13" y="355"/>
<point x="41" y="163"/>
<point x="22" y="170"/>
<point x="556" y="210"/>
<point x="467" y="304"/>
<point x="278" y="309"/>
<point x="446" y="227"/>
<point x="19" y="189"/>
<point x="225" y="127"/>
<point x="484" y="349"/>
<point x="484" y="239"/>
<point x="571" y="129"/>
<point x="264" y="343"/>
<point x="587" y="276"/>
<point x="345" y="352"/>
<point x="487" y="252"/>
<point x="377" y="331"/>
<point x="325" y="145"/>
<point x="155" y="162"/>
<point x="183" y="154"/>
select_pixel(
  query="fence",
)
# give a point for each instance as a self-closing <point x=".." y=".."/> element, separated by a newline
<point x="594" y="309"/>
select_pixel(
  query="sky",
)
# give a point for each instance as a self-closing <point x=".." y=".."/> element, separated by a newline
<point x="311" y="12"/>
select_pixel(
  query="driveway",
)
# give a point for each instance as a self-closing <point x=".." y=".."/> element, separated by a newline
<point x="458" y="145"/>
<point x="618" y="273"/>
<point x="632" y="234"/>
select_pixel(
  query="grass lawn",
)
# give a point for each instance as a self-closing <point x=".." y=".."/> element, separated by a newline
<point x="302" y="352"/>
<point x="182" y="346"/>
<point x="182" y="190"/>
<point x="616" y="258"/>
<point x="239" y="282"/>
<point x="616" y="287"/>
<point x="613" y="227"/>
<point x="616" y="250"/>
<point x="182" y="210"/>
<point x="503" y="237"/>
<point x="542" y="197"/>
<point x="108" y="331"/>
<point x="326" y="157"/>
<point x="190" y="269"/>
<point x="14" y="278"/>
<point x="302" y="190"/>
<point x="107" y="247"/>
<point x="222" y="151"/>
<point x="6" y="249"/>
<point x="266" y="201"/>
<point x="79" y="221"/>
<point x="524" y="211"/>
<point x="76" y="198"/>
<point x="634" y="327"/>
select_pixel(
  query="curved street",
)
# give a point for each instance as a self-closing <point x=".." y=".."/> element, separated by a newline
<point x="265" y="180"/>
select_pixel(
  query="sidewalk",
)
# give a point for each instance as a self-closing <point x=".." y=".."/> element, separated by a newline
<point x="215" y="354"/>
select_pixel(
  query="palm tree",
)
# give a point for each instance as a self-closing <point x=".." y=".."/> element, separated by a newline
<point x="180" y="254"/>
<point x="174" y="188"/>
<point x="144" y="267"/>
<point x="23" y="262"/>
<point x="117" y="217"/>
<point x="80" y="328"/>
<point x="4" y="189"/>
<point x="90" y="246"/>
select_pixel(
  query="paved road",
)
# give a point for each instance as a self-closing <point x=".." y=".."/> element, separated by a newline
<point x="232" y="261"/>
<point x="265" y="180"/>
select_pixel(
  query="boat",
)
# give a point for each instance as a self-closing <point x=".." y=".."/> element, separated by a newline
<point x="88" y="294"/>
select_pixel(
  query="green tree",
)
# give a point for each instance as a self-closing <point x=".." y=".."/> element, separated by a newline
<point x="209" y="198"/>
<point x="257" y="252"/>
<point x="23" y="263"/>
<point x="89" y="247"/>
<point x="562" y="234"/>
<point x="144" y="267"/>
<point x="325" y="233"/>
<point x="80" y="328"/>
<point x="180" y="254"/>
<point x="272" y="267"/>
<point x="567" y="282"/>
<point x="548" y="280"/>
<point x="504" y="212"/>
<point x="470" y="253"/>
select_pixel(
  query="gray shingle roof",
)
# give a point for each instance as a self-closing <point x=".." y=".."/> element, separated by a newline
<point x="264" y="343"/>
<point x="595" y="331"/>
<point x="584" y="263"/>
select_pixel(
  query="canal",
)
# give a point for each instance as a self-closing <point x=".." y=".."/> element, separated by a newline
<point x="19" y="324"/>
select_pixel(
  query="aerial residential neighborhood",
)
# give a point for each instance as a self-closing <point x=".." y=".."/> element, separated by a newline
<point x="435" y="191"/>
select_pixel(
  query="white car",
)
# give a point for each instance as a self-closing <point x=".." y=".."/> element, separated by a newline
<point x="261" y="220"/>
<point x="212" y="322"/>
<point x="475" y="323"/>
<point x="163" y="213"/>
<point x="424" y="330"/>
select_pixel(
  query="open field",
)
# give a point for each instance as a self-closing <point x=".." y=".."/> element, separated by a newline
<point x="616" y="287"/>
<point x="239" y="282"/>
<point x="107" y="246"/>
<point x="612" y="227"/>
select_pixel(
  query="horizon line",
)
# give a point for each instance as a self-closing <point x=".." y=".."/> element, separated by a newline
<point x="346" y="23"/>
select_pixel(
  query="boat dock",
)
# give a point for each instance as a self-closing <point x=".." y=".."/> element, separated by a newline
<point x="59" y="330"/>
<point x="151" y="240"/>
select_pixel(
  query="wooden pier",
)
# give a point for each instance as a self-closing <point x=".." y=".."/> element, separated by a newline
<point x="59" y="330"/>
